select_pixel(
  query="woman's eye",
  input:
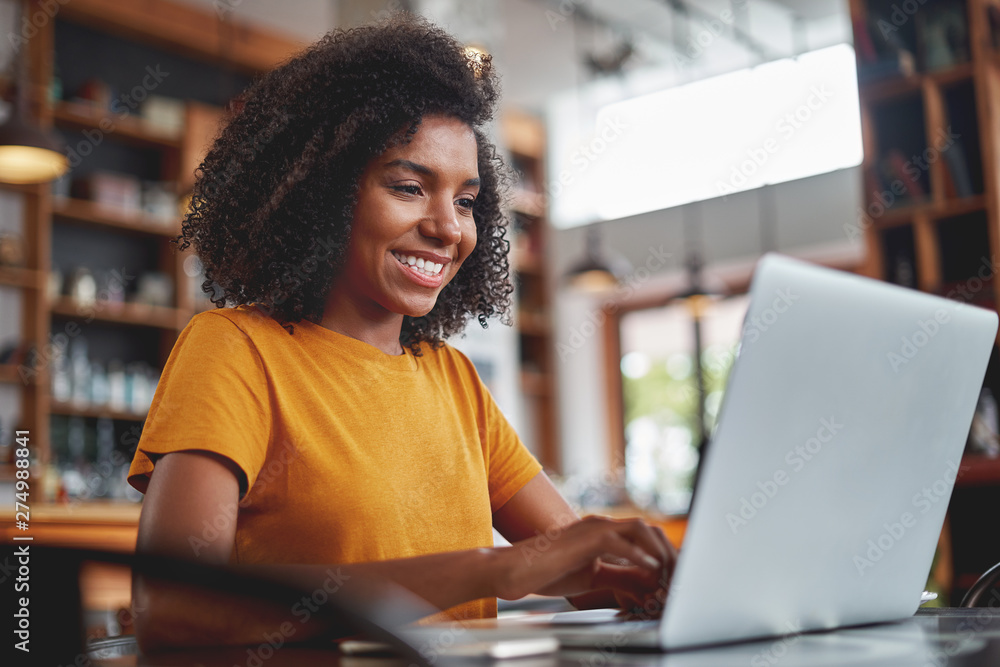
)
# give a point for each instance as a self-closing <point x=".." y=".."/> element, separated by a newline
<point x="407" y="189"/>
<point x="466" y="202"/>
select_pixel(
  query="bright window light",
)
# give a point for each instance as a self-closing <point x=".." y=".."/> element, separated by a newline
<point x="776" y="122"/>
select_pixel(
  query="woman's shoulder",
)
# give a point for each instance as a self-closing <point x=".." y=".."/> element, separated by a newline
<point x="442" y="352"/>
<point x="452" y="360"/>
<point x="246" y="319"/>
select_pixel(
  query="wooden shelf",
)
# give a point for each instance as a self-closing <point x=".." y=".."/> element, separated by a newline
<point x="9" y="374"/>
<point x="18" y="277"/>
<point x="84" y="524"/>
<point x="83" y="116"/>
<point x="91" y="511"/>
<point x="535" y="383"/>
<point x="127" y="313"/>
<point x="978" y="470"/>
<point x="527" y="263"/>
<point x="936" y="211"/>
<point x="950" y="76"/>
<point x="955" y="207"/>
<point x="524" y="136"/>
<point x="96" y="412"/>
<point x="533" y="324"/>
<point x="202" y="32"/>
<point x="887" y="89"/>
<point x="101" y="215"/>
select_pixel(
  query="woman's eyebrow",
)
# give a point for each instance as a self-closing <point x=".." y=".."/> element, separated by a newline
<point x="427" y="171"/>
<point x="412" y="166"/>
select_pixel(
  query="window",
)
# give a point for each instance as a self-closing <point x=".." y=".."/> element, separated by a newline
<point x="777" y="122"/>
<point x="660" y="392"/>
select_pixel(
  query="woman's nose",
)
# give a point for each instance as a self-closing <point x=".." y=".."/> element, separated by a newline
<point x="442" y="222"/>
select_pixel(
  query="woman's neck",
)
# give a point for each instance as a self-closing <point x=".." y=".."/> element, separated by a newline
<point x="368" y="323"/>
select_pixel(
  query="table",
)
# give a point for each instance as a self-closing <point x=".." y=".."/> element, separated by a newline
<point x="932" y="638"/>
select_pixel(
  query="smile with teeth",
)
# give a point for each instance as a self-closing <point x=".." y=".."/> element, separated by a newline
<point x="419" y="265"/>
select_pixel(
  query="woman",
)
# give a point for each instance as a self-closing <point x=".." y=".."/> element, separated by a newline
<point x="351" y="211"/>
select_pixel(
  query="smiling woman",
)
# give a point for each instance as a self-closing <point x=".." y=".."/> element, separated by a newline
<point x="412" y="230"/>
<point x="317" y="417"/>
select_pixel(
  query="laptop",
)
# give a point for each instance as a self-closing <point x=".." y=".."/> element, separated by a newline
<point x="825" y="485"/>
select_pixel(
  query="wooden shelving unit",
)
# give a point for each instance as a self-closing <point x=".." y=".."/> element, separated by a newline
<point x="130" y="130"/>
<point x="524" y="136"/>
<point x="134" y="314"/>
<point x="910" y="115"/>
<point x="17" y="277"/>
<point x="932" y="181"/>
<point x="177" y="31"/>
<point x="92" y="213"/>
<point x="943" y="235"/>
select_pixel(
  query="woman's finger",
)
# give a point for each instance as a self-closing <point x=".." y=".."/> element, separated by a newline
<point x="671" y="559"/>
<point x="621" y="546"/>
<point x="571" y="560"/>
<point x="635" y="590"/>
<point x="642" y="536"/>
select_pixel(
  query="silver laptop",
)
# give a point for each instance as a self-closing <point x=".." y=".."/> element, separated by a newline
<point x="826" y="482"/>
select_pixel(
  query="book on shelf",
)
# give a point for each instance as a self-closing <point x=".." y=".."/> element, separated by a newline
<point x="958" y="181"/>
<point x="957" y="169"/>
<point x="882" y="53"/>
<point x="892" y="183"/>
<point x="885" y="69"/>
<point x="901" y="169"/>
<point x="942" y="32"/>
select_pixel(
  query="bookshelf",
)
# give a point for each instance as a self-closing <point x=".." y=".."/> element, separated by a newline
<point x="106" y="46"/>
<point x="524" y="136"/>
<point x="929" y="84"/>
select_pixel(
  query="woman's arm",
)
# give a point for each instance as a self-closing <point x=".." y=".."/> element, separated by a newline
<point x="188" y="489"/>
<point x="185" y="490"/>
<point x="537" y="516"/>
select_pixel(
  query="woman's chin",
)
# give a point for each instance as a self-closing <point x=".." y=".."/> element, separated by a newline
<point x="418" y="313"/>
<point x="415" y="310"/>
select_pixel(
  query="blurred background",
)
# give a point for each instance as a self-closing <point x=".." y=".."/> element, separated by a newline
<point x="662" y="146"/>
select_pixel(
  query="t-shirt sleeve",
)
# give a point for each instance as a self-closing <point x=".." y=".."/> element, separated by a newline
<point x="212" y="396"/>
<point x="509" y="464"/>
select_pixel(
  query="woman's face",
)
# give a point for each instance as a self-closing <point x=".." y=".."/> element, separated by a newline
<point x="413" y="224"/>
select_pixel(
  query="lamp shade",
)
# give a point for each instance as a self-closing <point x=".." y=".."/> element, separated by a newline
<point x="599" y="271"/>
<point x="592" y="276"/>
<point x="28" y="154"/>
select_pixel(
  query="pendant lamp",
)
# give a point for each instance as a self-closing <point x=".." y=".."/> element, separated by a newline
<point x="599" y="271"/>
<point x="28" y="153"/>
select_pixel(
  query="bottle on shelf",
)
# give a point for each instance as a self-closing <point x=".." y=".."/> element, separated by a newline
<point x="80" y="370"/>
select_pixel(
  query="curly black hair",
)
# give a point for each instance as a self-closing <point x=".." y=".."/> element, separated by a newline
<point x="273" y="200"/>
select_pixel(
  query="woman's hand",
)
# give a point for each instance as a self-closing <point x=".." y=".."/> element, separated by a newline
<point x="576" y="559"/>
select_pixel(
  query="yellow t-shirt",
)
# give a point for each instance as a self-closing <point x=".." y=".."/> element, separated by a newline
<point x="350" y="454"/>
